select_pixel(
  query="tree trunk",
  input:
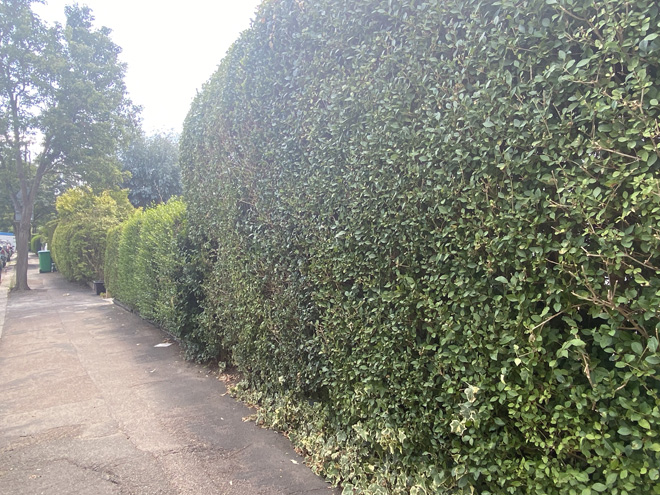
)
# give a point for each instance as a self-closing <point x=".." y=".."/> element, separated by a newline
<point x="22" y="249"/>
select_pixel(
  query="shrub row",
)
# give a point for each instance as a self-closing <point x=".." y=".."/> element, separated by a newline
<point x="79" y="240"/>
<point x="430" y="238"/>
<point x="143" y="262"/>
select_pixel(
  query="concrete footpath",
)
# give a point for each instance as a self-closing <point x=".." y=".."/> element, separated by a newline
<point x="91" y="404"/>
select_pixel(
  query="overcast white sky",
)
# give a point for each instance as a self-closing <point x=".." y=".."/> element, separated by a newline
<point x="172" y="47"/>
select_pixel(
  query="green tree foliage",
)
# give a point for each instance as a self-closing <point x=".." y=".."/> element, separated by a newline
<point x="63" y="108"/>
<point x="47" y="230"/>
<point x="153" y="163"/>
<point x="437" y="220"/>
<point x="143" y="262"/>
<point x="6" y="212"/>
<point x="79" y="241"/>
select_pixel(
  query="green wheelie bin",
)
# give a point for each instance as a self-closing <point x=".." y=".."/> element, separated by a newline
<point x="45" y="262"/>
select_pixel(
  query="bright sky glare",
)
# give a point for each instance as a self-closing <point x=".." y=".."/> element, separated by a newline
<point x="171" y="47"/>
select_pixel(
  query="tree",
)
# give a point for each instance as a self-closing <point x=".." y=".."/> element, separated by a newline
<point x="153" y="163"/>
<point x="63" y="108"/>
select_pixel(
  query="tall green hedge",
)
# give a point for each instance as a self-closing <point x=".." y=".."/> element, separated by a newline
<point x="431" y="238"/>
<point x="144" y="262"/>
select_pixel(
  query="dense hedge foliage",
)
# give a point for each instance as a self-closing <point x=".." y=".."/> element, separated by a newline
<point x="143" y="262"/>
<point x="84" y="218"/>
<point x="111" y="265"/>
<point x="431" y="236"/>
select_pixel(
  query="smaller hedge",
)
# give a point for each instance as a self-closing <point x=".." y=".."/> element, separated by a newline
<point x="78" y="243"/>
<point x="143" y="262"/>
<point x="36" y="243"/>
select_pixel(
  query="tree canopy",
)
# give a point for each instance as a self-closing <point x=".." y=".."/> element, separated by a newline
<point x="153" y="163"/>
<point x="64" y="110"/>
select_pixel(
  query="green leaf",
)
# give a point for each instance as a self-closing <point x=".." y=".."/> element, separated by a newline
<point x="611" y="478"/>
<point x="624" y="430"/>
<point x="576" y="343"/>
<point x="653" y="360"/>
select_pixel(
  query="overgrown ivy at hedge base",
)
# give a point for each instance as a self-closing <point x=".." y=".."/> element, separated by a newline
<point x="79" y="239"/>
<point x="431" y="229"/>
<point x="143" y="262"/>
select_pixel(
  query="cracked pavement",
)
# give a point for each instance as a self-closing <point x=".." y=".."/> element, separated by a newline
<point x="88" y="405"/>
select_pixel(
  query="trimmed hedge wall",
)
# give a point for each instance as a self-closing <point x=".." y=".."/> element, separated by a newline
<point x="430" y="236"/>
<point x="143" y="262"/>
